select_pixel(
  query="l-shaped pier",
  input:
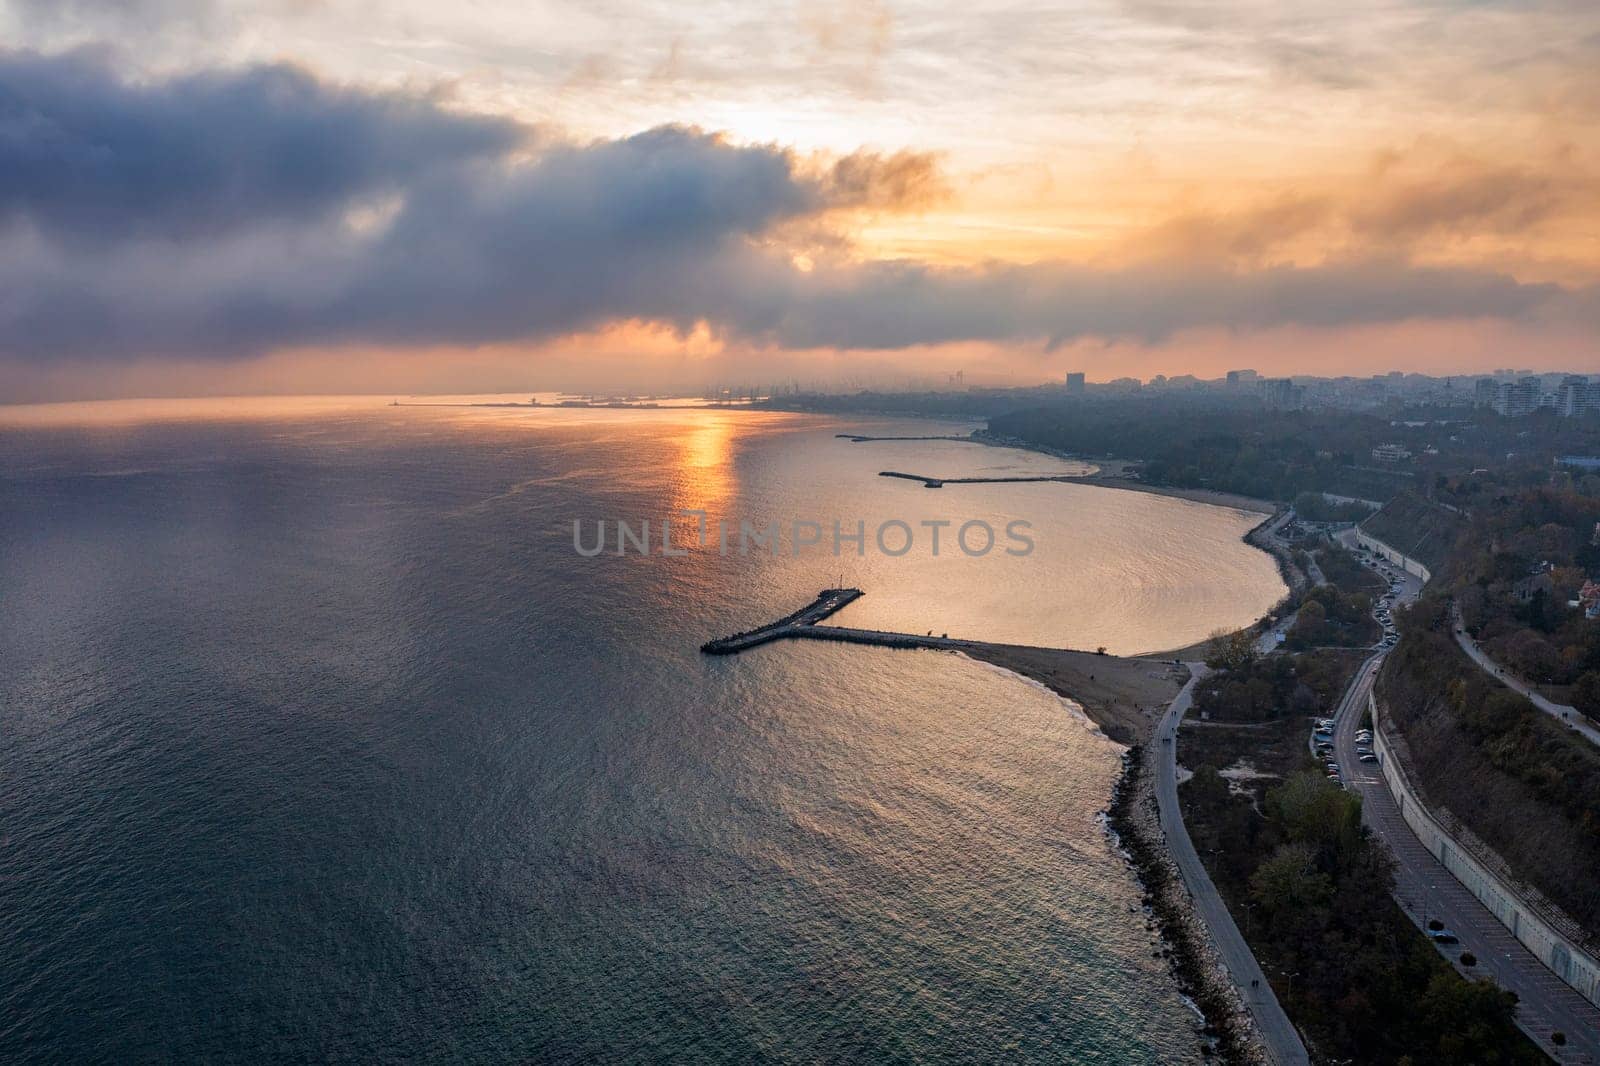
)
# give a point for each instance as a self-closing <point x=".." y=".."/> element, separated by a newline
<point x="802" y="625"/>
<point x="828" y="602"/>
<point x="941" y="482"/>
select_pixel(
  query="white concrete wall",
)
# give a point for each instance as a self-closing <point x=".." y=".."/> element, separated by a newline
<point x="1404" y="562"/>
<point x="1564" y="958"/>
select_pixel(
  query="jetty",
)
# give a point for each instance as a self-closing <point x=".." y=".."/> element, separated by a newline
<point x="941" y="482"/>
<point x="1119" y="694"/>
<point x="861" y="438"/>
<point x="802" y="625"/>
<point x="827" y="603"/>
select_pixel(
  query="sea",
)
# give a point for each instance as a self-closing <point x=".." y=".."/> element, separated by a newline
<point x="320" y="740"/>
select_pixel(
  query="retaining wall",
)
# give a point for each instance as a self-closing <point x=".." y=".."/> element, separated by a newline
<point x="1404" y="562"/>
<point x="1557" y="951"/>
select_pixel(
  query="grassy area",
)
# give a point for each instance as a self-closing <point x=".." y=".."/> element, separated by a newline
<point x="1341" y="567"/>
<point x="1310" y="891"/>
<point x="1278" y="686"/>
<point x="1416" y="528"/>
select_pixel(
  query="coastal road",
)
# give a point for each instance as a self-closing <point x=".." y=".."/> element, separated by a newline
<point x="1271" y="640"/>
<point x="1425" y="889"/>
<point x="1567" y="716"/>
<point x="1277" y="1032"/>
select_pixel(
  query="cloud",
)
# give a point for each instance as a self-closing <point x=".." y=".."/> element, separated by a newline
<point x="236" y="213"/>
<point x="900" y="181"/>
<point x="86" y="154"/>
<point x="1406" y="204"/>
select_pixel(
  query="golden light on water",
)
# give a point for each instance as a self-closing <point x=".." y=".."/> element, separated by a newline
<point x="704" y="478"/>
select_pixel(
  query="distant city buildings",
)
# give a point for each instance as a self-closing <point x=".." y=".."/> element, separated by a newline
<point x="1390" y="453"/>
<point x="1517" y="398"/>
<point x="1483" y="393"/>
<point x="1242" y="378"/>
<point x="1282" y="394"/>
<point x="1075" y="382"/>
<point x="1575" y="397"/>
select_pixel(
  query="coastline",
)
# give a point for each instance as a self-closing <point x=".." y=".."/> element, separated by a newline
<point x="1119" y="693"/>
<point x="1210" y="496"/>
<point x="1115" y="474"/>
<point x="1135" y="822"/>
<point x="1123" y="697"/>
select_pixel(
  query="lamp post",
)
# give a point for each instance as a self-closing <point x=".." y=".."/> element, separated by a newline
<point x="1289" y="992"/>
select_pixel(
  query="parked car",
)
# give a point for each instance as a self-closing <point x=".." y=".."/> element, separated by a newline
<point x="1443" y="936"/>
<point x="1368" y="757"/>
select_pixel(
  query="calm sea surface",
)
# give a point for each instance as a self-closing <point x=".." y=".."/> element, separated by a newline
<point x="318" y="740"/>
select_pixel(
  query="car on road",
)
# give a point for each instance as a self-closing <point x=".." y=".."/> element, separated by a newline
<point x="1368" y="757"/>
<point x="1443" y="936"/>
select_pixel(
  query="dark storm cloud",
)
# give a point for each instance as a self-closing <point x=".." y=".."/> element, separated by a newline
<point x="84" y="153"/>
<point x="229" y="214"/>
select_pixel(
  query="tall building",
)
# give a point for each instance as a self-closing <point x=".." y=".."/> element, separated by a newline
<point x="1483" y="393"/>
<point x="1517" y="398"/>
<point x="1282" y="394"/>
<point x="1238" y="378"/>
<point x="1577" y="397"/>
<point x="1075" y="383"/>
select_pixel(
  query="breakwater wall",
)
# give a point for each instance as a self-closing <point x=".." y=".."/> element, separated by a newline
<point x="828" y="602"/>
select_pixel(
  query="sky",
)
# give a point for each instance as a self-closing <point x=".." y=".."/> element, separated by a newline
<point x="267" y="196"/>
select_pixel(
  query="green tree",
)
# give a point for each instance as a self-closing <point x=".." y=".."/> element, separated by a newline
<point x="1290" y="880"/>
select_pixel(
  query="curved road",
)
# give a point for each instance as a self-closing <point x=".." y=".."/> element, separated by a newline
<point x="1277" y="1032"/>
<point x="1425" y="889"/>
<point x="1568" y="716"/>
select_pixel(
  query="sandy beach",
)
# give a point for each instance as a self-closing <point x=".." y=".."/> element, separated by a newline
<point x="1120" y="474"/>
<point x="1211" y="496"/>
<point x="1124" y="697"/>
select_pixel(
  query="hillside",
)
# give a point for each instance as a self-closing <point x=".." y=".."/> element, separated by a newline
<point x="1416" y="528"/>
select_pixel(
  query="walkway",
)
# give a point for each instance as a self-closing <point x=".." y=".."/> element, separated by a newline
<point x="1568" y="716"/>
<point x="1277" y="1032"/>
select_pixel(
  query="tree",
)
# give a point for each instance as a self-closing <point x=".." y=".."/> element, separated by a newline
<point x="1586" y="694"/>
<point x="1290" y="880"/>
<point x="1314" y="813"/>
<point x="1234" y="651"/>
